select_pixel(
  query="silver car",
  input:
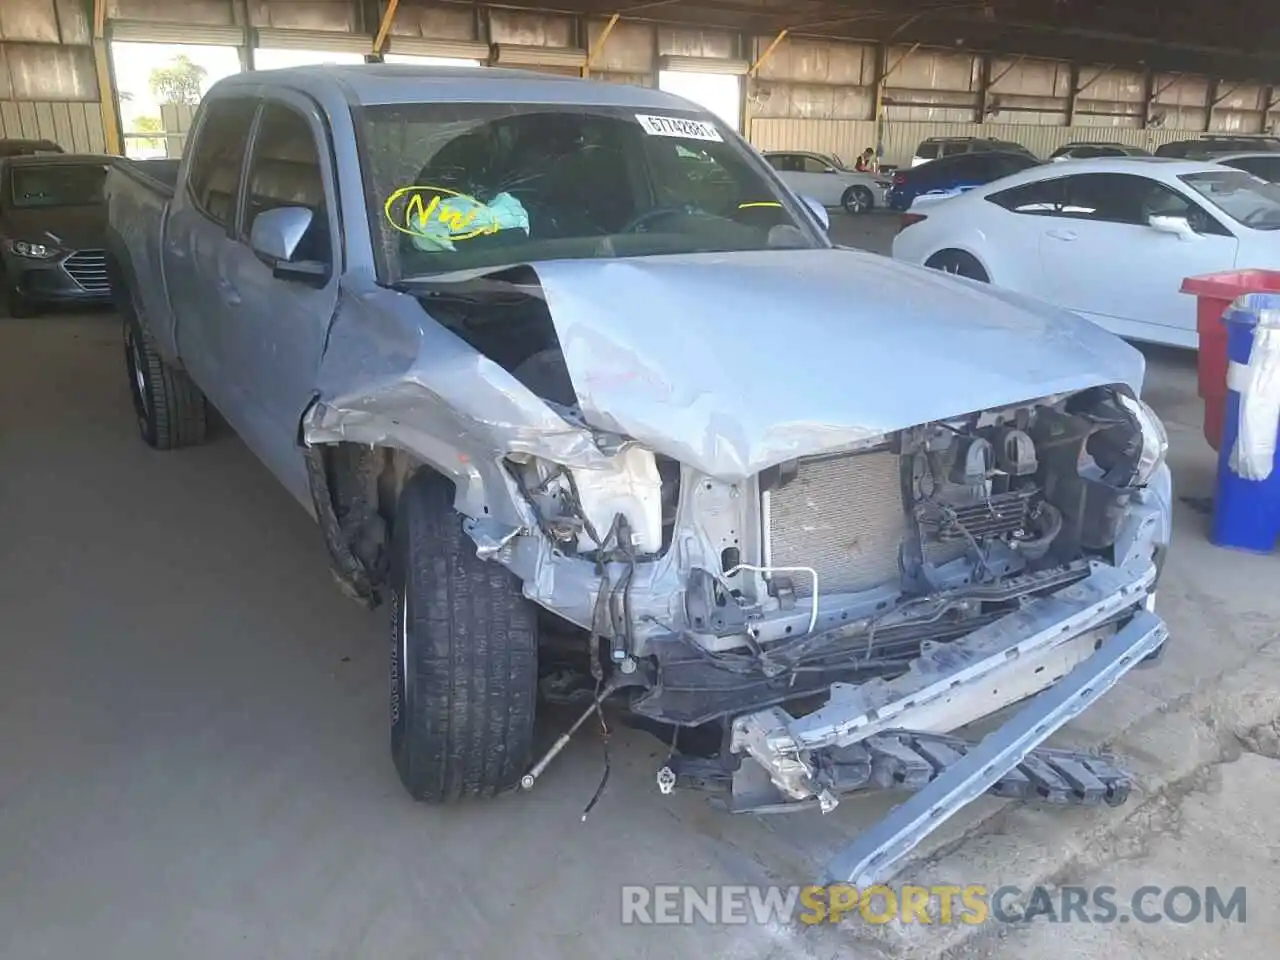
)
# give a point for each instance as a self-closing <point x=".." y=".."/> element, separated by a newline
<point x="572" y="382"/>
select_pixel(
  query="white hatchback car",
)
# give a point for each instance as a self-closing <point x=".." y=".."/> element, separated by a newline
<point x="1109" y="239"/>
<point x="827" y="180"/>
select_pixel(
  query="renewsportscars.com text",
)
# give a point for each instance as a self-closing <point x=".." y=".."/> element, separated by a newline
<point x="941" y="904"/>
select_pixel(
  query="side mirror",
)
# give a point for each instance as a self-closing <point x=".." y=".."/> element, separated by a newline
<point x="1178" y="226"/>
<point x="276" y="233"/>
<point x="818" y="210"/>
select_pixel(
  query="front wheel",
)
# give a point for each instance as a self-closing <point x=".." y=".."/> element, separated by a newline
<point x="959" y="264"/>
<point x="857" y="200"/>
<point x="464" y="655"/>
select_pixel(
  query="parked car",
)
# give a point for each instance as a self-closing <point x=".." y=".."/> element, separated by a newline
<point x="1265" y="165"/>
<point x="1211" y="145"/>
<point x="1110" y="240"/>
<point x="935" y="148"/>
<point x="536" y="392"/>
<point x="52" y="231"/>
<point x="1090" y="150"/>
<point x="955" y="173"/>
<point x="826" y="179"/>
<point x="16" y="147"/>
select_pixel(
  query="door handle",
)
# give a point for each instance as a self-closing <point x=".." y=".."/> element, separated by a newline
<point x="1063" y="234"/>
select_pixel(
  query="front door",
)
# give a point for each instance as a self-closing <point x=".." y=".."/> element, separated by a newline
<point x="276" y="327"/>
<point x="1102" y="258"/>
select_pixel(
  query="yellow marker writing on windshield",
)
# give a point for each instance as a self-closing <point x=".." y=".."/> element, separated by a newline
<point x="422" y="204"/>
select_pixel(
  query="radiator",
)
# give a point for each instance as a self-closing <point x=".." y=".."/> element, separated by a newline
<point x="842" y="516"/>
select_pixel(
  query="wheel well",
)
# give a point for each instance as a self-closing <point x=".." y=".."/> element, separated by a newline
<point x="355" y="489"/>
<point x="961" y="254"/>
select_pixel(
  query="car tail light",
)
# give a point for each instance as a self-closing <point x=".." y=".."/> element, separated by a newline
<point x="899" y="178"/>
<point x="910" y="218"/>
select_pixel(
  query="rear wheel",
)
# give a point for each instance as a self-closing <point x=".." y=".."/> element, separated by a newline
<point x="958" y="263"/>
<point x="857" y="200"/>
<point x="464" y="655"/>
<point x="170" y="408"/>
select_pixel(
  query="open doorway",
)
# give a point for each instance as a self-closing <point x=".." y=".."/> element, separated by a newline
<point x="160" y="85"/>
<point x="720" y="93"/>
<point x="274" y="58"/>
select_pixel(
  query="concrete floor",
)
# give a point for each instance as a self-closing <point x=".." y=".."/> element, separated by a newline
<point x="193" y="755"/>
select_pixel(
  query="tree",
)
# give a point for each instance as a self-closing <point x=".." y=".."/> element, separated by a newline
<point x="180" y="82"/>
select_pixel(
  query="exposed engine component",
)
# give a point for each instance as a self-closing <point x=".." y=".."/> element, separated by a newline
<point x="577" y="508"/>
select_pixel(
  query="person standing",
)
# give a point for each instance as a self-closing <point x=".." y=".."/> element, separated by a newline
<point x="866" y="162"/>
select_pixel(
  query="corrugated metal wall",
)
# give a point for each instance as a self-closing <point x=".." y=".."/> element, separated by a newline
<point x="807" y="94"/>
<point x="848" y="138"/>
<point x="48" y="80"/>
<point x="821" y="95"/>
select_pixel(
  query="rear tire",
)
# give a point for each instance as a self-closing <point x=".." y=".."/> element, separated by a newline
<point x="170" y="408"/>
<point x="958" y="263"/>
<point x="857" y="200"/>
<point x="464" y="655"/>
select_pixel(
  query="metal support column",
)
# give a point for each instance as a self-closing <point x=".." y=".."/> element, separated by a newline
<point x="108" y="100"/>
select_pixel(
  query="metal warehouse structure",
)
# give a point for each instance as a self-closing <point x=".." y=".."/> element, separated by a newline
<point x="833" y="75"/>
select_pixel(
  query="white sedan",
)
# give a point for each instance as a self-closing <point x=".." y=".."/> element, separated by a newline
<point x="827" y="180"/>
<point x="1110" y="239"/>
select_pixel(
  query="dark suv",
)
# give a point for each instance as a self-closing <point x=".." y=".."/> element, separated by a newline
<point x="935" y="148"/>
<point x="956" y="173"/>
<point x="1209" y="146"/>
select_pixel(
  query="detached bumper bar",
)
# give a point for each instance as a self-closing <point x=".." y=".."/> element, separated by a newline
<point x="871" y="857"/>
<point x="1061" y="647"/>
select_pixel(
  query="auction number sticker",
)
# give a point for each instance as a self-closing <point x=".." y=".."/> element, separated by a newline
<point x="678" y="127"/>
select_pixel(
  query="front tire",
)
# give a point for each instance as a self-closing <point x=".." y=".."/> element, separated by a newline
<point x="959" y="264"/>
<point x="17" y="305"/>
<point x="464" y="656"/>
<point x="857" y="200"/>
<point x="170" y="408"/>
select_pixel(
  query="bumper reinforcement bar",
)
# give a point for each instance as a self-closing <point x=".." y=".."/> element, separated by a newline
<point x="872" y="856"/>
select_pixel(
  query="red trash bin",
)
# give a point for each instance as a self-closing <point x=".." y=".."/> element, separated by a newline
<point x="1214" y="292"/>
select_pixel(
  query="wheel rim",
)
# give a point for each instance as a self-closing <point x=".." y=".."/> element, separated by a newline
<point x="138" y="366"/>
<point x="399" y="657"/>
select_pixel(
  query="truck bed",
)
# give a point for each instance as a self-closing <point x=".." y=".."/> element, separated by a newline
<point x="138" y="194"/>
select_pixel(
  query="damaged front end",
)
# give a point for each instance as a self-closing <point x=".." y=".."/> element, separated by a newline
<point x="834" y="593"/>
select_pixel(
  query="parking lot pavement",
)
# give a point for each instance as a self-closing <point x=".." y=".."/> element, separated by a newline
<point x="872" y="231"/>
<point x="193" y="754"/>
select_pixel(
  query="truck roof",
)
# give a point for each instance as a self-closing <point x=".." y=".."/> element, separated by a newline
<point x="387" y="83"/>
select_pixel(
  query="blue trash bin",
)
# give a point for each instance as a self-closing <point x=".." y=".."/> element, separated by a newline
<point x="1246" y="513"/>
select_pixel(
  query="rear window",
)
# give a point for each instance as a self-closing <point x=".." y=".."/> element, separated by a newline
<point x="927" y="151"/>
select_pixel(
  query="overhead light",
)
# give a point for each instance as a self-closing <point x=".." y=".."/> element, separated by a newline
<point x="444" y="49"/>
<point x="522" y="55"/>
<point x="719" y="65"/>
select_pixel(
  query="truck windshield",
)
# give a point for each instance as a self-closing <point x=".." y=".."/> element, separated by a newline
<point x="58" y="185"/>
<point x="459" y="186"/>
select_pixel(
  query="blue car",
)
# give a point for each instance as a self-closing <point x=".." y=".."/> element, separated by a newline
<point x="954" y="174"/>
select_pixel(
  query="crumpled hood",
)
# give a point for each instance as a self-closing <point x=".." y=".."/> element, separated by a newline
<point x="732" y="363"/>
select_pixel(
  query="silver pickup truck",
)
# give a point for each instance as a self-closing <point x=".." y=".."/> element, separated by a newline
<point x="565" y="373"/>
